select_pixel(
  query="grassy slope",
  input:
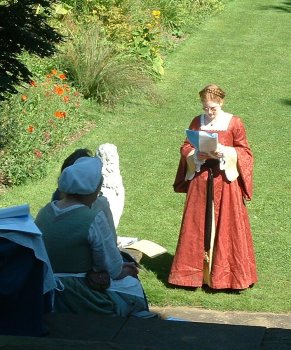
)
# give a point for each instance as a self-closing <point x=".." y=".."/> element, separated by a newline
<point x="245" y="51"/>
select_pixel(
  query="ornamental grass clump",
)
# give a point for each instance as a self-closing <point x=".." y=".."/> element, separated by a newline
<point x="99" y="70"/>
<point x="35" y="123"/>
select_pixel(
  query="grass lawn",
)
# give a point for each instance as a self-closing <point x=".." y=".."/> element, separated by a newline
<point x="244" y="50"/>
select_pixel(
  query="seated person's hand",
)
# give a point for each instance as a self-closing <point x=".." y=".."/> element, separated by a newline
<point x="128" y="269"/>
<point x="99" y="281"/>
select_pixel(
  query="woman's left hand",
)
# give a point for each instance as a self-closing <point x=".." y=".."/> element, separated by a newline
<point x="217" y="154"/>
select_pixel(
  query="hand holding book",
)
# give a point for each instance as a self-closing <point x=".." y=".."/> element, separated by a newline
<point x="203" y="141"/>
<point x="206" y="144"/>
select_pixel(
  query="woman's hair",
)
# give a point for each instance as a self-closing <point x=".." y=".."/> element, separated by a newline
<point x="212" y="92"/>
<point x="78" y="153"/>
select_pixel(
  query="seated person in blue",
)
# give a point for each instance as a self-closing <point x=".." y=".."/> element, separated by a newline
<point x="79" y="239"/>
<point x="101" y="202"/>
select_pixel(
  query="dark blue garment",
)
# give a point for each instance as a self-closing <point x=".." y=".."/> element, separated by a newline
<point x="126" y="257"/>
<point x="22" y="302"/>
<point x="56" y="195"/>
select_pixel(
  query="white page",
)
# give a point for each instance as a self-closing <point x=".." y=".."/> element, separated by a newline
<point x="149" y="248"/>
<point x="203" y="141"/>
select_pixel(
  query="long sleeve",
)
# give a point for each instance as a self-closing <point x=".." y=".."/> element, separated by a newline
<point x="185" y="169"/>
<point x="245" y="160"/>
<point x="106" y="255"/>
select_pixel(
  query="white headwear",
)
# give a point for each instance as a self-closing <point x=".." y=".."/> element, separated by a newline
<point x="83" y="177"/>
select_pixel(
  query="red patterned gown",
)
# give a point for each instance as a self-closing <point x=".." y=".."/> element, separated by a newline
<point x="232" y="263"/>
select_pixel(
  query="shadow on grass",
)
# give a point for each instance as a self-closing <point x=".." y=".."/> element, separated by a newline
<point x="161" y="266"/>
<point x="286" y="101"/>
<point x="284" y="7"/>
<point x="209" y="290"/>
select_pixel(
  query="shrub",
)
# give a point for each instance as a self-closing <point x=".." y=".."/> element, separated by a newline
<point x="146" y="29"/>
<point x="99" y="70"/>
<point x="174" y="13"/>
<point x="24" y="28"/>
<point x="35" y="122"/>
<point x="201" y="9"/>
<point x="179" y="16"/>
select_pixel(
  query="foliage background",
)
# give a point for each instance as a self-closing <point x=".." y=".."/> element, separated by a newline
<point x="105" y="49"/>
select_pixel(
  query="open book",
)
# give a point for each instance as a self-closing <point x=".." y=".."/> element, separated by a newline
<point x="147" y="247"/>
<point x="203" y="141"/>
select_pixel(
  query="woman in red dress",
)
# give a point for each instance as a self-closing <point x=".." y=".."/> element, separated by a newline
<point x="215" y="245"/>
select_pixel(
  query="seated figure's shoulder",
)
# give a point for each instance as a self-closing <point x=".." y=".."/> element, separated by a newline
<point x="101" y="220"/>
<point x="101" y="203"/>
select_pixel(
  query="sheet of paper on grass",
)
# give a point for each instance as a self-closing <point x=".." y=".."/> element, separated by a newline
<point x="149" y="248"/>
<point x="123" y="241"/>
<point x="203" y="141"/>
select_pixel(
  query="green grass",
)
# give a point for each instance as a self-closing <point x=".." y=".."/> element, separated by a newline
<point x="245" y="50"/>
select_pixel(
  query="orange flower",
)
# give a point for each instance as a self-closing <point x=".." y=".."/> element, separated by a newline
<point x="54" y="72"/>
<point x="49" y="76"/>
<point x="62" y="76"/>
<point x="37" y="153"/>
<point x="23" y="97"/>
<point x="60" y="114"/>
<point x="66" y="99"/>
<point x="58" y="90"/>
<point x="32" y="83"/>
<point x="30" y="129"/>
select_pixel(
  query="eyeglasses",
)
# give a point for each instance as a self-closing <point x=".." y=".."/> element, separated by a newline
<point x="212" y="109"/>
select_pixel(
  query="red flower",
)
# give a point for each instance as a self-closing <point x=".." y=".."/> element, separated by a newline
<point x="60" y="114"/>
<point x="32" y="83"/>
<point x="58" y="90"/>
<point x="23" y="97"/>
<point x="37" y="153"/>
<point x="66" y="99"/>
<point x="62" y="76"/>
<point x="30" y="129"/>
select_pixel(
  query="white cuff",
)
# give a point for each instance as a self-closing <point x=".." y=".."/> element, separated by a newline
<point x="198" y="162"/>
<point x="190" y="166"/>
<point x="193" y="165"/>
<point x="228" y="163"/>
